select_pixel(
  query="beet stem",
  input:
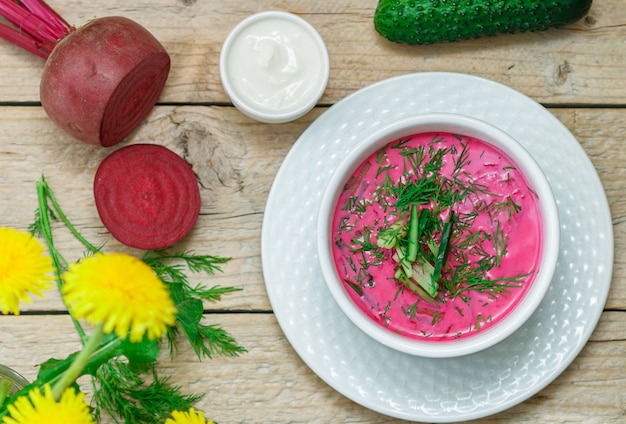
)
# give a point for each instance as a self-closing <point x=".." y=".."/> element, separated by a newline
<point x="27" y="43"/>
<point x="55" y="21"/>
<point x="37" y="26"/>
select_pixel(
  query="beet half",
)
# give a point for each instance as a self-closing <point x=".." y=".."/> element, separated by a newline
<point x="147" y="196"/>
<point x="103" y="79"/>
<point x="100" y="80"/>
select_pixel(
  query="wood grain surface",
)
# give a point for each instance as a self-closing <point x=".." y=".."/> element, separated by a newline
<point x="577" y="72"/>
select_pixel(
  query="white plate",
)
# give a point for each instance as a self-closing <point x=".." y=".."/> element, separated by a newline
<point x="423" y="389"/>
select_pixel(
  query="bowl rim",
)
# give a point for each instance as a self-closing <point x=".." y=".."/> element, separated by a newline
<point x="461" y="124"/>
<point x="19" y="382"/>
<point x="249" y="109"/>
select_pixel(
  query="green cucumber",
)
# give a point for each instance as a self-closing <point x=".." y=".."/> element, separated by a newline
<point x="433" y="21"/>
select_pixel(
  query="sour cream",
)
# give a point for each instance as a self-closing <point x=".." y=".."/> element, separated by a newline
<point x="274" y="66"/>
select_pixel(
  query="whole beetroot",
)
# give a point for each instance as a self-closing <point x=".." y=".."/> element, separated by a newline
<point x="100" y="80"/>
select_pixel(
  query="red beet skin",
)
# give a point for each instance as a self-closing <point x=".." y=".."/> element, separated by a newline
<point x="147" y="196"/>
<point x="101" y="80"/>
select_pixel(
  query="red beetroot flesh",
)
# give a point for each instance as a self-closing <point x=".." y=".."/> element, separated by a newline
<point x="147" y="196"/>
<point x="103" y="79"/>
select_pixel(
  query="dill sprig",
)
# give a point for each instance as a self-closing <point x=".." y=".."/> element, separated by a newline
<point x="128" y="398"/>
<point x="206" y="340"/>
<point x="195" y="263"/>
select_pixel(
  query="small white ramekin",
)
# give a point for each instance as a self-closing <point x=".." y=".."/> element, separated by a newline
<point x="253" y="109"/>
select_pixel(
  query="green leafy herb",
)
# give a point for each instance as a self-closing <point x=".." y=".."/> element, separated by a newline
<point x="206" y="340"/>
<point x="128" y="398"/>
<point x="443" y="248"/>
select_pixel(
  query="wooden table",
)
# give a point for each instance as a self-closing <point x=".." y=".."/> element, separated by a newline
<point x="576" y="72"/>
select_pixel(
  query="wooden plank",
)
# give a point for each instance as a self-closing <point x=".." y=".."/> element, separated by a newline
<point x="236" y="160"/>
<point x="271" y="384"/>
<point x="577" y="64"/>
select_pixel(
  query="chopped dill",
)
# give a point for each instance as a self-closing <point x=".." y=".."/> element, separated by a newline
<point x="451" y="257"/>
<point x="509" y="206"/>
<point x="354" y="286"/>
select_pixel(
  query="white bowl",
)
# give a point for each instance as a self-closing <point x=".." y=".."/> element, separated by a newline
<point x="463" y="125"/>
<point x="274" y="66"/>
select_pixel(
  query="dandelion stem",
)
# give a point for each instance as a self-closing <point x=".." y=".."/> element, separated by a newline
<point x="44" y="216"/>
<point x="57" y="208"/>
<point x="79" y="363"/>
<point x="43" y="193"/>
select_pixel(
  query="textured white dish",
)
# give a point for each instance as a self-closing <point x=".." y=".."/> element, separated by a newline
<point x="426" y="389"/>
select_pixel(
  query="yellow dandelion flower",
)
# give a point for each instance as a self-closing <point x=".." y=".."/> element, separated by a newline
<point x="191" y="417"/>
<point x="24" y="269"/>
<point x="120" y="292"/>
<point x="37" y="408"/>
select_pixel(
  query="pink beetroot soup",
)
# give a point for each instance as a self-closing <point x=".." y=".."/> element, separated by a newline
<point x="478" y="242"/>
